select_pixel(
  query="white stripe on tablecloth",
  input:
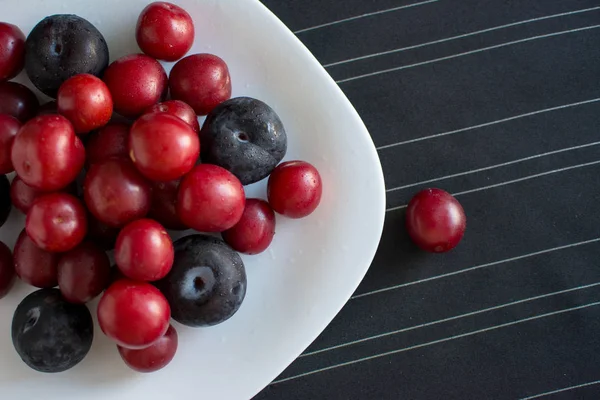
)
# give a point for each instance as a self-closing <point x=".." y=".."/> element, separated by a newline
<point x="525" y="178"/>
<point x="495" y="28"/>
<point x="385" y="71"/>
<point x="561" y="390"/>
<point x="490" y="264"/>
<point x="504" y="164"/>
<point x="440" y="321"/>
<point x="491" y="328"/>
<point x="312" y="28"/>
<point x="499" y="121"/>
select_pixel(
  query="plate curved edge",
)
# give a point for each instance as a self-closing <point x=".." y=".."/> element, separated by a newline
<point x="380" y="201"/>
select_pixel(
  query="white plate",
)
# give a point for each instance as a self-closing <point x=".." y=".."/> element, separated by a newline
<point x="314" y="265"/>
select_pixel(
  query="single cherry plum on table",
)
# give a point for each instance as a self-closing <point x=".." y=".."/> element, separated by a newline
<point x="83" y="273"/>
<point x="255" y="230"/>
<point x="33" y="265"/>
<point x="178" y="109"/>
<point x="56" y="222"/>
<point x="164" y="31"/>
<point x="144" y="250"/>
<point x="109" y="141"/>
<point x="18" y="100"/>
<point x="47" y="154"/>
<point x="85" y="101"/>
<point x="12" y="51"/>
<point x="207" y="283"/>
<point x="116" y="193"/>
<point x="5" y="201"/>
<point x="163" y="147"/>
<point x="164" y="205"/>
<point x="294" y="189"/>
<point x="7" y="270"/>
<point x="210" y="199"/>
<point x="152" y="358"/>
<point x="61" y="46"/>
<point x="50" y="334"/>
<point x="200" y="80"/>
<point x="245" y="136"/>
<point x="9" y="126"/>
<point x="133" y="314"/>
<point x="435" y="220"/>
<point x="136" y="82"/>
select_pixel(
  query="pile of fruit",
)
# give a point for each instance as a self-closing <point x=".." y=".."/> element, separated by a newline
<point x="111" y="164"/>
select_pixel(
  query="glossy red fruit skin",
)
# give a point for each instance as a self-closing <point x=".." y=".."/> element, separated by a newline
<point x="116" y="193"/>
<point x="7" y="270"/>
<point x="136" y="82"/>
<point x="163" y="147"/>
<point x="144" y="251"/>
<point x="164" y="31"/>
<point x="47" y="154"/>
<point x="435" y="220"/>
<point x="210" y="199"/>
<point x="178" y="109"/>
<point x="200" y="80"/>
<point x="56" y="222"/>
<point x="9" y="126"/>
<point x="22" y="195"/>
<point x="164" y="205"/>
<point x="83" y="273"/>
<point x="85" y="101"/>
<point x="255" y="230"/>
<point x="153" y="358"/>
<point x="33" y="265"/>
<point x="18" y="100"/>
<point x="109" y="141"/>
<point x="294" y="189"/>
<point x="12" y="51"/>
<point x="133" y="314"/>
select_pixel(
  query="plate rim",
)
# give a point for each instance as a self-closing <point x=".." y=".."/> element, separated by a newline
<point x="380" y="212"/>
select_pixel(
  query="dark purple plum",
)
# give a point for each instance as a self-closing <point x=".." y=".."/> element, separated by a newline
<point x="61" y="46"/>
<point x="245" y="136"/>
<point x="207" y="283"/>
<point x="5" y="203"/>
<point x="51" y="334"/>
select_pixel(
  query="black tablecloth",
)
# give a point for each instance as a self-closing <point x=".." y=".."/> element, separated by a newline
<point x="497" y="102"/>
